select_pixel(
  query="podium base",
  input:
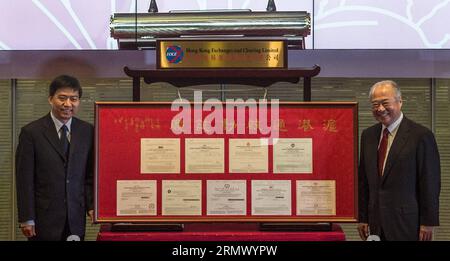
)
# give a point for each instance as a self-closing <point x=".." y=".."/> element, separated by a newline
<point x="295" y="226"/>
<point x="155" y="227"/>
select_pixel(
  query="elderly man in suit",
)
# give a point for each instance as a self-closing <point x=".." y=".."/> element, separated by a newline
<point x="399" y="172"/>
<point x="54" y="168"/>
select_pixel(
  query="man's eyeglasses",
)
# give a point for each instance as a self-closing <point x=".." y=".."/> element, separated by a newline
<point x="63" y="98"/>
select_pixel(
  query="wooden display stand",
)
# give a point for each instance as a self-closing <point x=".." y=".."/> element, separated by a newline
<point x="216" y="232"/>
<point x="256" y="77"/>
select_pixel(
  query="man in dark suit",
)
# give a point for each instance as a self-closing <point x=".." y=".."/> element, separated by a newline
<point x="54" y="168"/>
<point x="399" y="172"/>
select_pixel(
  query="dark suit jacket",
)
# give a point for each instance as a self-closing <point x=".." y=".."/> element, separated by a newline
<point x="45" y="192"/>
<point x="407" y="195"/>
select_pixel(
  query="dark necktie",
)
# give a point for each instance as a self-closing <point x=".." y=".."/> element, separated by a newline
<point x="64" y="140"/>
<point x="382" y="151"/>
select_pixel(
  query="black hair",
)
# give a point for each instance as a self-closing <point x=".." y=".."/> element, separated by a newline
<point x="64" y="81"/>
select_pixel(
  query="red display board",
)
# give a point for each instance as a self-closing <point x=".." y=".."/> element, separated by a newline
<point x="329" y="128"/>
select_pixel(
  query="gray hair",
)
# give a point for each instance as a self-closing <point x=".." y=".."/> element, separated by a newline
<point x="398" y="93"/>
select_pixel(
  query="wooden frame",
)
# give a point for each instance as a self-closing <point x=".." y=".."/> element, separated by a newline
<point x="120" y="126"/>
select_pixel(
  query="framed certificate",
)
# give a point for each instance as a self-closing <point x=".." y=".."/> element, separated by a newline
<point x="293" y="156"/>
<point x="194" y="162"/>
<point x="248" y="156"/>
<point x="181" y="197"/>
<point x="204" y="155"/>
<point x="160" y="156"/>
<point x="226" y="197"/>
<point x="271" y="197"/>
<point x="136" y="197"/>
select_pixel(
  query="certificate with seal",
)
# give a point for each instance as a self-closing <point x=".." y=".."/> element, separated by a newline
<point x="271" y="197"/>
<point x="181" y="197"/>
<point x="204" y="155"/>
<point x="226" y="197"/>
<point x="136" y="198"/>
<point x="316" y="197"/>
<point x="160" y="156"/>
<point x="248" y="156"/>
<point x="293" y="156"/>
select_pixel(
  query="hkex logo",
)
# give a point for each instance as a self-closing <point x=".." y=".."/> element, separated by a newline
<point x="174" y="54"/>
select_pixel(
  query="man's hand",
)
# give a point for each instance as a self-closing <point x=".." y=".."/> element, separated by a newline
<point x="91" y="215"/>
<point x="363" y="229"/>
<point x="28" y="230"/>
<point x="425" y="233"/>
